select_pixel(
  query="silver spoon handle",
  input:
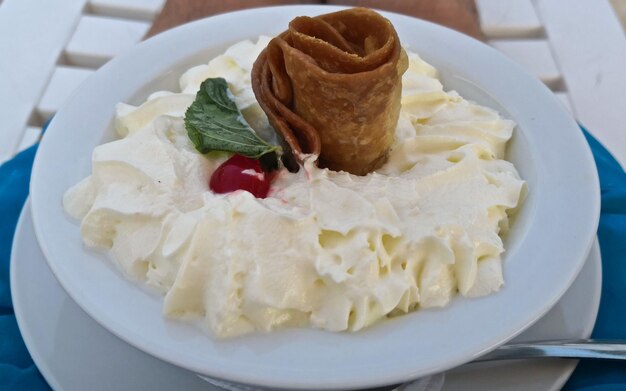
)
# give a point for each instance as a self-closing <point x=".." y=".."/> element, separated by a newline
<point x="580" y="348"/>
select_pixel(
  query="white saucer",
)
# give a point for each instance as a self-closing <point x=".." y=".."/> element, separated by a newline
<point x="73" y="352"/>
<point x="546" y="246"/>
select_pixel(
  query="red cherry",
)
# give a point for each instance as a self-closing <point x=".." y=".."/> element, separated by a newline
<point x="241" y="173"/>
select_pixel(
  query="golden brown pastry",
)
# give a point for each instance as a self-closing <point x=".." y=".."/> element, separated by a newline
<point x="330" y="86"/>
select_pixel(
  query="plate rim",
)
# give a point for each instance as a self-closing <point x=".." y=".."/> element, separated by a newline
<point x="16" y="297"/>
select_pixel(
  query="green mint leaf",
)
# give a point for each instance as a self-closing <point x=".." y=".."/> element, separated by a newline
<point x="214" y="123"/>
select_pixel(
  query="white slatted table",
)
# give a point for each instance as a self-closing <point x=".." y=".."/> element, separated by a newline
<point x="565" y="43"/>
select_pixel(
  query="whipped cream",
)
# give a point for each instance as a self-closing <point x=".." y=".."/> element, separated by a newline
<point x="325" y="249"/>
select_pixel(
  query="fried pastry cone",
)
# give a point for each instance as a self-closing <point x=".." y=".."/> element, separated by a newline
<point x="330" y="86"/>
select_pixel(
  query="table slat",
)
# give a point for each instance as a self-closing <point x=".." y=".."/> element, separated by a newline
<point x="620" y="9"/>
<point x="590" y="48"/>
<point x="98" y="39"/>
<point x="509" y="19"/>
<point x="564" y="98"/>
<point x="137" y="9"/>
<point x="534" y="56"/>
<point x="32" y="35"/>
<point x="31" y="136"/>
<point x="62" y="84"/>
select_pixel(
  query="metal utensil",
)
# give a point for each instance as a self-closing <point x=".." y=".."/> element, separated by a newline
<point x="575" y="348"/>
<point x="566" y="348"/>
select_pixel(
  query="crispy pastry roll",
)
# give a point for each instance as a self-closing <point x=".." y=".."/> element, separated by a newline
<point x="330" y="86"/>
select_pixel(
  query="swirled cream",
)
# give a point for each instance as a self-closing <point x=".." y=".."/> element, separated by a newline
<point x="326" y="249"/>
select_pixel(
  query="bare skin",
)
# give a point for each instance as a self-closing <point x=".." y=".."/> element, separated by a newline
<point x="460" y="15"/>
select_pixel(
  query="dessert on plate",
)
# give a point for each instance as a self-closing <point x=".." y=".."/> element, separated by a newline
<point x="321" y="178"/>
<point x="331" y="86"/>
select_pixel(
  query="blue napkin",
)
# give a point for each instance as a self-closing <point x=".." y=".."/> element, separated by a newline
<point x="18" y="372"/>
<point x="611" y="321"/>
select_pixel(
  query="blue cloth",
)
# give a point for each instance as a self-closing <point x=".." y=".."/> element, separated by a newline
<point x="611" y="321"/>
<point x="18" y="372"/>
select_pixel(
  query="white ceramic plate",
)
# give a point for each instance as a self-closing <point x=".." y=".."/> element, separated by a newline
<point x="74" y="353"/>
<point x="545" y="249"/>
